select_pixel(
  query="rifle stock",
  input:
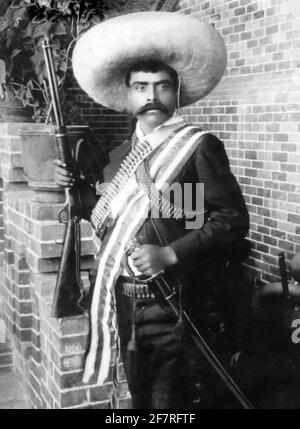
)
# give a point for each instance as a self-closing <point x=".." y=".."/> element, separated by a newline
<point x="69" y="292"/>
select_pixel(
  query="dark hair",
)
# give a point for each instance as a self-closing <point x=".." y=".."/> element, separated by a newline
<point x="152" y="66"/>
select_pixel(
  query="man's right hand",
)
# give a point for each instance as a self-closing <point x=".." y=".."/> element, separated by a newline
<point x="62" y="176"/>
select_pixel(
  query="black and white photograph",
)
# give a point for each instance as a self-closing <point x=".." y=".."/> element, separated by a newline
<point x="150" y="207"/>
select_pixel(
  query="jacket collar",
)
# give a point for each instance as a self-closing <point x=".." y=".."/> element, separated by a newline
<point x="174" y="120"/>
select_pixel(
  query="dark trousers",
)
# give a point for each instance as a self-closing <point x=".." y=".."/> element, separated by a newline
<point x="162" y="372"/>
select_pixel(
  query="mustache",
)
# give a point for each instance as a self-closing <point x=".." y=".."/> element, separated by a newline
<point x="152" y="106"/>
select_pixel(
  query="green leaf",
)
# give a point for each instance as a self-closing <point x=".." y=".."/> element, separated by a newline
<point x="3" y="6"/>
<point x="21" y="13"/>
<point x="38" y="65"/>
<point x="28" y="93"/>
<point x="41" y="74"/>
<point x="63" y="66"/>
<point x="44" y="3"/>
<point x="15" y="52"/>
<point x="59" y="29"/>
<point x="43" y="29"/>
<point x="3" y="23"/>
<point x="30" y="85"/>
<point x="2" y="72"/>
<point x="64" y="6"/>
<point x="10" y="37"/>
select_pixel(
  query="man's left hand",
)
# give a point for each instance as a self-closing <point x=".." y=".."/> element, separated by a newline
<point x="150" y="259"/>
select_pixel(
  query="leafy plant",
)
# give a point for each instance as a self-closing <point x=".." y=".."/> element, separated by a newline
<point x="23" y="25"/>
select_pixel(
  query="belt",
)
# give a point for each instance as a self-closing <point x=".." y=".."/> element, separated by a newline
<point x="136" y="290"/>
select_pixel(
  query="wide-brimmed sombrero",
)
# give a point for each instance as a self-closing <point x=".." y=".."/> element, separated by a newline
<point x="105" y="53"/>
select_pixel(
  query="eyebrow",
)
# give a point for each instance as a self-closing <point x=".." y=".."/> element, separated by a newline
<point x="156" y="83"/>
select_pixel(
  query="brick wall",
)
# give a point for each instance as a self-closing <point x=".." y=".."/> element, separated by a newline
<point x="255" y="111"/>
<point x="47" y="353"/>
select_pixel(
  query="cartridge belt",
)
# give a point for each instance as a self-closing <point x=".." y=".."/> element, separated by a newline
<point x="135" y="289"/>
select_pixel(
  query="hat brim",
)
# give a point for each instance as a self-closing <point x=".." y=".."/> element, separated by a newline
<point x="106" y="53"/>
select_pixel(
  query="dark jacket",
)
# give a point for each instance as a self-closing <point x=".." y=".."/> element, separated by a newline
<point x="203" y="253"/>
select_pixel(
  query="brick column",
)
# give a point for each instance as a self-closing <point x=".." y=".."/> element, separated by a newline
<point x="48" y="353"/>
<point x="11" y="175"/>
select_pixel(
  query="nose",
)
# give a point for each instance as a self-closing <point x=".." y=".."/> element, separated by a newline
<point x="152" y="93"/>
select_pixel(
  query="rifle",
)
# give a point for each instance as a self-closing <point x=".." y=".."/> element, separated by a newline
<point x="69" y="294"/>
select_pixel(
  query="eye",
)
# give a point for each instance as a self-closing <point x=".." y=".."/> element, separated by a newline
<point x="164" y="86"/>
<point x="140" y="87"/>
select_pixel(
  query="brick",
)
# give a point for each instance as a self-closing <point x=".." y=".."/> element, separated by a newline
<point x="272" y="29"/>
<point x="270" y="240"/>
<point x="5" y="347"/>
<point x="74" y="325"/>
<point x="6" y="360"/>
<point x="227" y="30"/>
<point x="24" y="322"/>
<point x="233" y="4"/>
<point x="22" y="334"/>
<point x="246" y="36"/>
<point x="8" y="256"/>
<point x="259" y="14"/>
<point x="239" y="11"/>
<point x="74" y="397"/>
<point x="73" y="345"/>
<point x="70" y="379"/>
<point x="293" y="218"/>
<point x="71" y="363"/>
<point x="280" y="137"/>
<point x="22" y="263"/>
<point x="101" y="393"/>
<point x="23" y="307"/>
<point x="270" y="222"/>
<point x="293" y="34"/>
<point x="21" y="277"/>
<point x="286" y="245"/>
<point x="252" y="7"/>
<point x="45" y="211"/>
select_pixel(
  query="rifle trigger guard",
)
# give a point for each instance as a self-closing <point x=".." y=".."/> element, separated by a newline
<point x="63" y="215"/>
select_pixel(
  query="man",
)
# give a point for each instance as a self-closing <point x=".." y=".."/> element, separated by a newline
<point x="146" y="64"/>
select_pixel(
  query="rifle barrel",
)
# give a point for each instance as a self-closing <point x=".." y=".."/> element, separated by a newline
<point x="53" y="86"/>
<point x="63" y="148"/>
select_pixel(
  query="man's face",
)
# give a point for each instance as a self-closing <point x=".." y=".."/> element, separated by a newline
<point x="152" y="97"/>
